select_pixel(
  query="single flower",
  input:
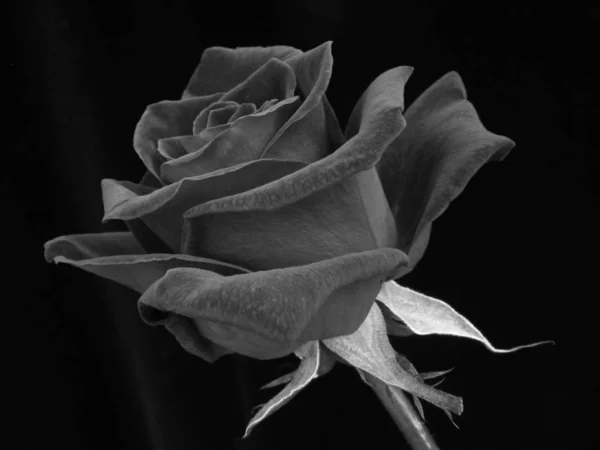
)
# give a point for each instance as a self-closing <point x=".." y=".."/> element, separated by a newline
<point x="261" y="229"/>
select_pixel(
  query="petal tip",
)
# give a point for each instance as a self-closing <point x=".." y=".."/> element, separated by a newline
<point x="504" y="149"/>
<point x="50" y="254"/>
<point x="454" y="79"/>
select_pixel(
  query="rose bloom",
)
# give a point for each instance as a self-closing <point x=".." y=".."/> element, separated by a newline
<point x="259" y="225"/>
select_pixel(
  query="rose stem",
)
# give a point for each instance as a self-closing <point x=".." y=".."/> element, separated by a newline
<point x="403" y="413"/>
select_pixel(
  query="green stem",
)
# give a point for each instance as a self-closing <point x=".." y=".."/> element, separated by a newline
<point x="403" y="413"/>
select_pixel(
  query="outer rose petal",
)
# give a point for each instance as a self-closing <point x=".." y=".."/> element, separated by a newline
<point x="118" y="257"/>
<point x="163" y="120"/>
<point x="346" y="217"/>
<point x="386" y="91"/>
<point x="269" y="314"/>
<point x="331" y="207"/>
<point x="147" y="238"/>
<point x="443" y="146"/>
<point x="162" y="209"/>
<point x="221" y="69"/>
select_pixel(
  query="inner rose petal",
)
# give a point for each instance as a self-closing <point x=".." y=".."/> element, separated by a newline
<point x="178" y="146"/>
<point x="243" y="141"/>
<point x="221" y="69"/>
<point x="275" y="79"/>
<point x="245" y="109"/>
<point x="201" y="121"/>
<point x="221" y="116"/>
<point x="267" y="104"/>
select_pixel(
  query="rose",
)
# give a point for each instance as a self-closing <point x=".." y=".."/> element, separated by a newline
<point x="259" y="226"/>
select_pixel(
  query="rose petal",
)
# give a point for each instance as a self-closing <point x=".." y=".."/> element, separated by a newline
<point x="385" y="92"/>
<point x="150" y="180"/>
<point x="120" y="258"/>
<point x="221" y="116"/>
<point x="275" y="79"/>
<point x="245" y="109"/>
<point x="171" y="148"/>
<point x="201" y="121"/>
<point x="430" y="163"/>
<point x="268" y="314"/>
<point x="162" y="209"/>
<point x="266" y="105"/>
<point x="369" y="349"/>
<point x="147" y="238"/>
<point x="184" y="332"/>
<point x="162" y="120"/>
<point x="427" y="315"/>
<point x="221" y="69"/>
<point x="306" y="372"/>
<point x="349" y="216"/>
<point x="242" y="141"/>
<point x="305" y="137"/>
<point x="179" y="146"/>
<point x="333" y="126"/>
<point x="320" y="211"/>
<point x="142" y="232"/>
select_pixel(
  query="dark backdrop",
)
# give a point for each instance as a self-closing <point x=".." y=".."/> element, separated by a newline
<point x="516" y="253"/>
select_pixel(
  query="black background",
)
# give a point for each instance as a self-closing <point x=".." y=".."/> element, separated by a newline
<point x="516" y="253"/>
